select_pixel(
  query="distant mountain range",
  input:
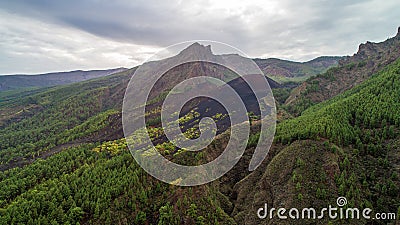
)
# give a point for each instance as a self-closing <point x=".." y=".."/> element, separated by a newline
<point x="285" y="71"/>
<point x="281" y="71"/>
<point x="64" y="159"/>
<point x="12" y="82"/>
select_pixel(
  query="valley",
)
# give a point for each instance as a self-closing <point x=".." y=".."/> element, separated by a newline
<point x="64" y="158"/>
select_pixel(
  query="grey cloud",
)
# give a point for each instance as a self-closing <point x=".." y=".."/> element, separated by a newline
<point x="296" y="30"/>
<point x="142" y="22"/>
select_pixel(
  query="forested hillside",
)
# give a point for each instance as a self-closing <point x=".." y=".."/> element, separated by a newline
<point x="348" y="146"/>
<point x="65" y="115"/>
<point x="64" y="159"/>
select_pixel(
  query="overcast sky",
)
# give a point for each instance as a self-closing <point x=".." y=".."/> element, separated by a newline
<point x="39" y="36"/>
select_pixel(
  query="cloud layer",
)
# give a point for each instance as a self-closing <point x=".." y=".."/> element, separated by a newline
<point x="49" y="35"/>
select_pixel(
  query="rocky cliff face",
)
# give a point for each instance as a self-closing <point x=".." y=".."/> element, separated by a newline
<point x="352" y="70"/>
<point x="377" y="51"/>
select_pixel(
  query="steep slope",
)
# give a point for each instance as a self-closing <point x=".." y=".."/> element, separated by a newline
<point x="83" y="112"/>
<point x="194" y="52"/>
<point x="101" y="184"/>
<point x="348" y="146"/>
<point x="370" y="58"/>
<point x="37" y="125"/>
<point x="95" y="181"/>
<point x="12" y="82"/>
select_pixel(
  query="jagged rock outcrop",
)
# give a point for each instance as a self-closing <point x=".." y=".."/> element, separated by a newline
<point x="352" y="70"/>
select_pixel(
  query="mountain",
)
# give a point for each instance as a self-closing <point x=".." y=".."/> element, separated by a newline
<point x="64" y="159"/>
<point x="351" y="71"/>
<point x="287" y="71"/>
<point x="60" y="116"/>
<point x="347" y="146"/>
<point x="96" y="97"/>
<point x="12" y="82"/>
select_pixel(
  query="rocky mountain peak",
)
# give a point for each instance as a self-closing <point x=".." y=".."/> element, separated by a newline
<point x="371" y="49"/>
<point x="197" y="49"/>
<point x="352" y="70"/>
<point x="365" y="49"/>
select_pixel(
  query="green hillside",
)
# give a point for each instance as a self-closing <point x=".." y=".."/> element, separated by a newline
<point x="60" y="115"/>
<point x="348" y="146"/>
<point x="64" y="161"/>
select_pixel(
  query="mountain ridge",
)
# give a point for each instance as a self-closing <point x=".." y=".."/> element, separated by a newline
<point x="346" y="146"/>
<point x="12" y="82"/>
<point x="286" y="71"/>
<point x="278" y="70"/>
<point x="351" y="71"/>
